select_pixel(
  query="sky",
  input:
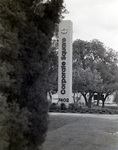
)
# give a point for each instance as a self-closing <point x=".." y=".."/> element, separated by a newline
<point x="94" y="19"/>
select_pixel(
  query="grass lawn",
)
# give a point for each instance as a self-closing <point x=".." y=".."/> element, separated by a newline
<point x="81" y="132"/>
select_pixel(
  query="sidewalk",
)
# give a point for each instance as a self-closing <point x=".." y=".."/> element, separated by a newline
<point x="111" y="117"/>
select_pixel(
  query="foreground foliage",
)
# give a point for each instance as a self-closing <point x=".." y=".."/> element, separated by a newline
<point x="26" y="30"/>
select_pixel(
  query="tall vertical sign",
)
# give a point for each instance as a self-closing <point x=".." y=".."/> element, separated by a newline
<point x="65" y="63"/>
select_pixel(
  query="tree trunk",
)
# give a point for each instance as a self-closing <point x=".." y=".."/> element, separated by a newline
<point x="104" y="99"/>
<point x="89" y="103"/>
<point x="103" y="103"/>
<point x="86" y="102"/>
<point x="78" y="98"/>
<point x="99" y="95"/>
<point x="50" y="95"/>
<point x="74" y="97"/>
<point x="90" y="99"/>
<point x="98" y="102"/>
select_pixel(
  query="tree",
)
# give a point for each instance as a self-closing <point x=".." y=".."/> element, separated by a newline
<point x="96" y="56"/>
<point x="26" y="30"/>
<point x="52" y="71"/>
<point x="87" y="82"/>
<point x="108" y="70"/>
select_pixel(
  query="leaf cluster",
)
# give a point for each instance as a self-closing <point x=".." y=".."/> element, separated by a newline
<point x="102" y="63"/>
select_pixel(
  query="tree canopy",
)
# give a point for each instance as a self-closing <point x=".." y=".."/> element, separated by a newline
<point x="102" y="63"/>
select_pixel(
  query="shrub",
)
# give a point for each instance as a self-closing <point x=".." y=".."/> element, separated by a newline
<point x="53" y="106"/>
<point x="63" y="106"/>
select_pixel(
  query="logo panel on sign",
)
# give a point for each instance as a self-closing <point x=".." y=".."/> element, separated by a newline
<point x="64" y="30"/>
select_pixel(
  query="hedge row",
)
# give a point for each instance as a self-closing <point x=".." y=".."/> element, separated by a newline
<point x="78" y="109"/>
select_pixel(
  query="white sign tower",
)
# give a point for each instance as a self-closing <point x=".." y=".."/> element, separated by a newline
<point x="65" y="63"/>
